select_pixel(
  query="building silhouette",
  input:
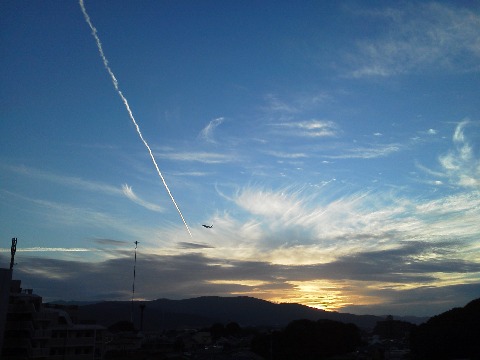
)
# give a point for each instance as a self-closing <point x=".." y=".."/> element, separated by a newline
<point x="30" y="329"/>
<point x="5" y="279"/>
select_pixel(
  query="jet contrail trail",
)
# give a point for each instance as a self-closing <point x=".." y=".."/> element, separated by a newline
<point x="115" y="84"/>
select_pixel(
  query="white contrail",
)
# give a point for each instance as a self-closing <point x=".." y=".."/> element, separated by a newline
<point x="115" y="84"/>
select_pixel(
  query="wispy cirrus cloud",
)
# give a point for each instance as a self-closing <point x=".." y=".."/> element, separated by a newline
<point x="287" y="155"/>
<point x="460" y="164"/>
<point x="193" y="246"/>
<point x="310" y="128"/>
<point x="207" y="132"/>
<point x="201" y="156"/>
<point x="364" y="152"/>
<point x="359" y="222"/>
<point x="276" y="105"/>
<point x="421" y="36"/>
<point x="269" y="203"/>
<point x="128" y="192"/>
<point x="62" y="214"/>
<point x="190" y="173"/>
<point x="70" y="181"/>
<point x="110" y="242"/>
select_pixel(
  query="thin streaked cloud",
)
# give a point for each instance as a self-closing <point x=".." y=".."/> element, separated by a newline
<point x="191" y="173"/>
<point x="193" y="246"/>
<point x="275" y="105"/>
<point x="375" y="151"/>
<point x="56" y="214"/>
<point x="286" y="155"/>
<point x="69" y="181"/>
<point x="48" y="249"/>
<point x="310" y="128"/>
<point x="202" y="157"/>
<point x="419" y="37"/>
<point x="110" y="242"/>
<point x="128" y="192"/>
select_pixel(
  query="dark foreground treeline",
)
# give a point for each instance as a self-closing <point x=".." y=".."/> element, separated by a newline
<point x="454" y="334"/>
<point x="306" y="339"/>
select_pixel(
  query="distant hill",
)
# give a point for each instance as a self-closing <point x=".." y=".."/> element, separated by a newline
<point x="205" y="311"/>
<point x="72" y="302"/>
<point x="452" y="334"/>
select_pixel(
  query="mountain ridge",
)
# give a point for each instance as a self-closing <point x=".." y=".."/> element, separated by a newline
<point x="161" y="314"/>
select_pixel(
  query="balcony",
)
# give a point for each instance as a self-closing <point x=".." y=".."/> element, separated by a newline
<point x="21" y="308"/>
<point x="39" y="353"/>
<point x="45" y="316"/>
<point x="42" y="334"/>
<point x="19" y="325"/>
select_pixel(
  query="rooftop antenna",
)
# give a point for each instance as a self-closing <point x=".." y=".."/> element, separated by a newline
<point x="13" y="250"/>
<point x="133" y="285"/>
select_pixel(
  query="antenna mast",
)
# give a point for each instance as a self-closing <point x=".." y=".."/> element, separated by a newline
<point x="133" y="285"/>
<point x="13" y="250"/>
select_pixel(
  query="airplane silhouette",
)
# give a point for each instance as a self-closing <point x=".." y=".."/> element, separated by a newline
<point x="208" y="227"/>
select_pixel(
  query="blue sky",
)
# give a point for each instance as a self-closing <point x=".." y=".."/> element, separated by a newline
<point x="333" y="146"/>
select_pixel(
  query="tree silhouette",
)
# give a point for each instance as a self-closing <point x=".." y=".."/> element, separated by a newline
<point x="452" y="334"/>
<point x="306" y="339"/>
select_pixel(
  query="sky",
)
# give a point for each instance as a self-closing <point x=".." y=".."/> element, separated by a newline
<point x="334" y="146"/>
